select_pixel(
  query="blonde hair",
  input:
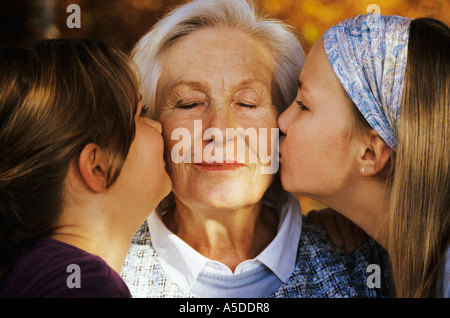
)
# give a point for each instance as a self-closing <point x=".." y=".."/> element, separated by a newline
<point x="419" y="215"/>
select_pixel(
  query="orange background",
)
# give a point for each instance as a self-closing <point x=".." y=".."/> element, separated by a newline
<point x="123" y="22"/>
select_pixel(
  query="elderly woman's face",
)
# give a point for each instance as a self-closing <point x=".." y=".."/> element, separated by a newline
<point x="219" y="79"/>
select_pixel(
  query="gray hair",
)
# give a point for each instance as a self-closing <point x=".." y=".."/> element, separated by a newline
<point x="278" y="37"/>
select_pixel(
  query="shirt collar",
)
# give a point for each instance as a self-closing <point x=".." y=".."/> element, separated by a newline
<point x="183" y="263"/>
<point x="281" y="254"/>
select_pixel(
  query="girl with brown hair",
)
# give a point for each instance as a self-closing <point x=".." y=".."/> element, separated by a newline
<point x="372" y="122"/>
<point x="81" y="167"/>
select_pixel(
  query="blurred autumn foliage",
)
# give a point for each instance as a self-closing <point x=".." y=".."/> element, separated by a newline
<point x="123" y="22"/>
<point x="313" y="17"/>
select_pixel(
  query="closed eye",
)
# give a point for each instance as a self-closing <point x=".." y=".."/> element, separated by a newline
<point x="189" y="106"/>
<point x="301" y="105"/>
<point x="145" y="111"/>
<point x="246" y="105"/>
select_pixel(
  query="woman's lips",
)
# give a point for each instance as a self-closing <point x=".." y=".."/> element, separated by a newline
<point x="219" y="166"/>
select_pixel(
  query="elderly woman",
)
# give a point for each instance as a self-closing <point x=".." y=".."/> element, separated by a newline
<point x="227" y="229"/>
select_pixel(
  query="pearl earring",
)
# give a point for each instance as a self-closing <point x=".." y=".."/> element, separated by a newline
<point x="363" y="170"/>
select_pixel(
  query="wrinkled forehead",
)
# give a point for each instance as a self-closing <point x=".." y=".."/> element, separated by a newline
<point x="216" y="55"/>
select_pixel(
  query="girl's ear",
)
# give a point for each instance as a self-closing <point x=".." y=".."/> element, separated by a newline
<point x="375" y="155"/>
<point x="93" y="164"/>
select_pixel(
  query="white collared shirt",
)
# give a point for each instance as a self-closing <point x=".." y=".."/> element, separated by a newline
<point x="184" y="264"/>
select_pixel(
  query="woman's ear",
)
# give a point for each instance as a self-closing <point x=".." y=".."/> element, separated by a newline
<point x="375" y="156"/>
<point x="93" y="163"/>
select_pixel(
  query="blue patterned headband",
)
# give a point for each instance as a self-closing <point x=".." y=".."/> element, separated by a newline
<point x="368" y="54"/>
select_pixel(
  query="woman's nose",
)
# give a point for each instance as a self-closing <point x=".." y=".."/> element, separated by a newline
<point x="222" y="118"/>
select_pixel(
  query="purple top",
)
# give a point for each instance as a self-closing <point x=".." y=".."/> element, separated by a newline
<point x="50" y="268"/>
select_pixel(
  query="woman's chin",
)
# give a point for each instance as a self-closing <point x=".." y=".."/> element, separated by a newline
<point x="221" y="198"/>
<point x="287" y="181"/>
<point x="224" y="200"/>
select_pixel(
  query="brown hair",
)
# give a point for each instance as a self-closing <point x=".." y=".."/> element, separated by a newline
<point x="419" y="216"/>
<point x="56" y="97"/>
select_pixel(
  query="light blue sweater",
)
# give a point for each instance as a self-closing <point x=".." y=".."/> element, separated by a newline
<point x="257" y="283"/>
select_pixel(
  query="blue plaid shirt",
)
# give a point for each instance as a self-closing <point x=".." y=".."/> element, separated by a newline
<point x="322" y="269"/>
